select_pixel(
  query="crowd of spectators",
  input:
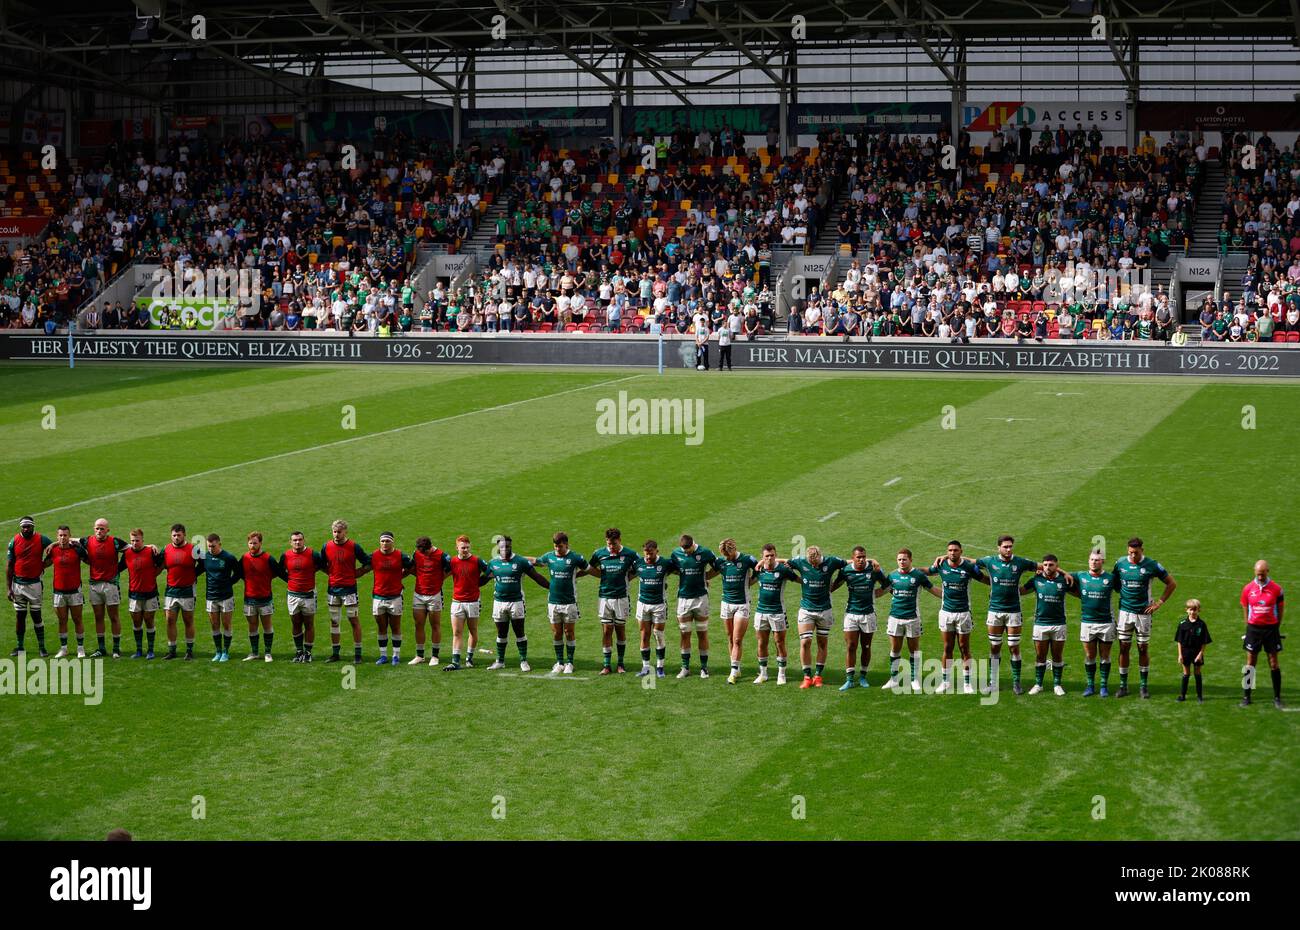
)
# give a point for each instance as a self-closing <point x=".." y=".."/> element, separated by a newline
<point x="316" y="232"/>
<point x="1032" y="235"/>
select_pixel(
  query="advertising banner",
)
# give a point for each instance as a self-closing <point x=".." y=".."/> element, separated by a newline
<point x="1001" y="357"/>
<point x="661" y="121"/>
<point x="358" y="127"/>
<point x="559" y="121"/>
<point x="904" y="118"/>
<point x="1008" y="116"/>
<point x="1245" y="116"/>
<point x="22" y="227"/>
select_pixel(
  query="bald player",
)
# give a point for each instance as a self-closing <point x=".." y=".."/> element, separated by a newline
<point x="103" y="555"/>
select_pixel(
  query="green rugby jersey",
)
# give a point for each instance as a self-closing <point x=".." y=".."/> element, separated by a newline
<point x="815" y="581"/>
<point x="563" y="570"/>
<point x="1134" y="582"/>
<point x="651" y="577"/>
<point x="735" y="577"/>
<point x="1095" y="592"/>
<point x="614" y="568"/>
<point x="1004" y="581"/>
<point x="691" y="566"/>
<point x="861" y="585"/>
<point x="507" y="578"/>
<point x="955" y="583"/>
<point x="1049" y="599"/>
<point x="771" y="586"/>
<point x="903" y="589"/>
<point x="220" y="572"/>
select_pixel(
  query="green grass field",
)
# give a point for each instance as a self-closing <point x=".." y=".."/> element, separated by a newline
<point x="285" y="751"/>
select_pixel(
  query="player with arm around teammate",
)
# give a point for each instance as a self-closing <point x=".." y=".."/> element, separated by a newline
<point x="652" y="573"/>
<point x="298" y="568"/>
<point x="142" y="564"/>
<point x="861" y="576"/>
<point x="184" y="561"/>
<point x="258" y="569"/>
<point x="66" y="556"/>
<point x="24" y="571"/>
<point x="468" y="575"/>
<point x="1004" y="570"/>
<point x="103" y="555"/>
<point x="345" y="561"/>
<point x="432" y="566"/>
<point x="735" y="567"/>
<point x="816" y="616"/>
<point x="1133" y="575"/>
<point x="221" y="569"/>
<point x="905" y="582"/>
<point x="1049" y="587"/>
<point x="693" y="562"/>
<point x="508" y="606"/>
<point x="770" y="575"/>
<point x="388" y="566"/>
<point x="956" y="620"/>
<point x="614" y="564"/>
<point x="564" y="566"/>
<point x="1095" y="588"/>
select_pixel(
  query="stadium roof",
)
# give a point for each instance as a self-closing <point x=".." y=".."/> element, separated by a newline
<point x="77" y="40"/>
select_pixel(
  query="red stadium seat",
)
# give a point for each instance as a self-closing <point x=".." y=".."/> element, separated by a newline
<point x="545" y="328"/>
<point x="1036" y="306"/>
<point x="1293" y="337"/>
<point x="570" y="327"/>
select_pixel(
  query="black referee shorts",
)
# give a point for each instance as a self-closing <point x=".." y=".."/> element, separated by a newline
<point x="1262" y="637"/>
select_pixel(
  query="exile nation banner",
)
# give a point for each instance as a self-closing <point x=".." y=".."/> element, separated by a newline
<point x="1129" y="358"/>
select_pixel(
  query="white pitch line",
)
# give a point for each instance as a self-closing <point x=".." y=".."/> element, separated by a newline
<point x="326" y="445"/>
<point x="1010" y="419"/>
<point x="833" y="513"/>
<point x="1059" y="393"/>
<point x="893" y="481"/>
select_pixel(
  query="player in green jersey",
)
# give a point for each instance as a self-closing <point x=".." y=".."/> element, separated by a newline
<point x="816" y="572"/>
<point x="221" y="569"/>
<point x="1133" y="575"/>
<point x="693" y="563"/>
<point x="1094" y="589"/>
<point x="905" y="619"/>
<point x="956" y="619"/>
<point x="508" y="609"/>
<point x="613" y="564"/>
<point x="861" y="576"/>
<point x="734" y="567"/>
<point x="651" y="608"/>
<point x="1049" y="587"/>
<point x="1004" y="570"/>
<point x="771" y="575"/>
<point x="564" y="566"/>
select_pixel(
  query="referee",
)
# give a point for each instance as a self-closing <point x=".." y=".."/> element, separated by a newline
<point x="1261" y="604"/>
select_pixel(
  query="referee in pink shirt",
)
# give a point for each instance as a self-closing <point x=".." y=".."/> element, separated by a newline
<point x="1261" y="603"/>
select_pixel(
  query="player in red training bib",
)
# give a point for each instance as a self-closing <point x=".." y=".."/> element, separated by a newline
<point x="468" y="574"/>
